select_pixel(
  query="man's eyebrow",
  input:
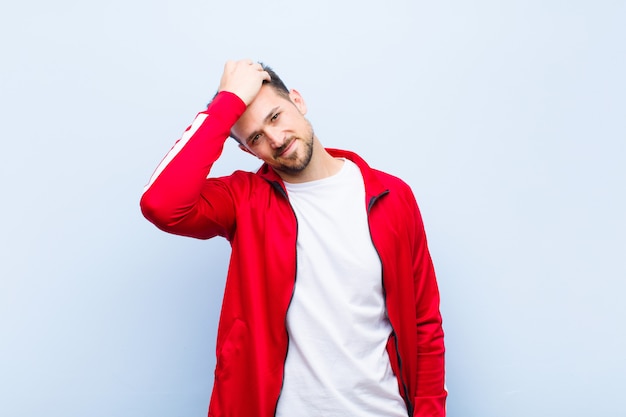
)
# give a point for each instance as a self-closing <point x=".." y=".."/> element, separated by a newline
<point x="271" y="114"/>
<point x="266" y="120"/>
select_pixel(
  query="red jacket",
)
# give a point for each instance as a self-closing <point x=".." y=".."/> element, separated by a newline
<point x="253" y="212"/>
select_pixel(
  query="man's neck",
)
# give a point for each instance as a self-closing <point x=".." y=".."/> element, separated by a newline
<point x="322" y="165"/>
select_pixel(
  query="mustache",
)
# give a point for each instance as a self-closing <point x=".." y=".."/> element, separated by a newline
<point x="284" y="146"/>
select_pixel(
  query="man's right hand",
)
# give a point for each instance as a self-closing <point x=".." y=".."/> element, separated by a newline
<point x="243" y="78"/>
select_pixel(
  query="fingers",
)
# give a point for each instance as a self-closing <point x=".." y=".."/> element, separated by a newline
<point x="264" y="74"/>
<point x="243" y="78"/>
<point x="258" y="67"/>
<point x="231" y="65"/>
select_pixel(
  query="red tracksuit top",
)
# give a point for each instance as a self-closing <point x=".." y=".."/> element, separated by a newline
<point x="252" y="211"/>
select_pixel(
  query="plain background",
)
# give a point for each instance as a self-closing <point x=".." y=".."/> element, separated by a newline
<point x="506" y="118"/>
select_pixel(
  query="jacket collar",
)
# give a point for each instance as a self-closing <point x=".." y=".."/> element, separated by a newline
<point x="373" y="186"/>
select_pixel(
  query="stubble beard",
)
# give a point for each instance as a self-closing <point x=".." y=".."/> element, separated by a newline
<point x="295" y="163"/>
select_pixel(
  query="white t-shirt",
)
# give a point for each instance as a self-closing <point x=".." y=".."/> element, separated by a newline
<point x="337" y="363"/>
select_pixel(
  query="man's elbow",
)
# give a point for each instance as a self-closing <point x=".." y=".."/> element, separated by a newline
<point x="155" y="209"/>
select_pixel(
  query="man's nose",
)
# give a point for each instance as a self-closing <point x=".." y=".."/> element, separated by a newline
<point x="275" y="137"/>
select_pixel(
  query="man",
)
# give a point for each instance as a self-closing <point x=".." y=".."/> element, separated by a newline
<point x="331" y="306"/>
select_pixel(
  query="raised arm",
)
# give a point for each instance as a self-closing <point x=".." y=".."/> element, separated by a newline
<point x="179" y="198"/>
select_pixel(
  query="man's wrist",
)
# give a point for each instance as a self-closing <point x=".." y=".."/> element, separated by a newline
<point x="226" y="106"/>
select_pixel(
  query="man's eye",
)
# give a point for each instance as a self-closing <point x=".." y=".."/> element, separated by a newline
<point x="255" y="138"/>
<point x="274" y="117"/>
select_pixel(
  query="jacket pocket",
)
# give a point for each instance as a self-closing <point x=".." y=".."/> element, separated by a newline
<point x="228" y="387"/>
<point x="230" y="353"/>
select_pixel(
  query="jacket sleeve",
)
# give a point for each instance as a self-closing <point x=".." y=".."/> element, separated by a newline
<point x="430" y="400"/>
<point x="179" y="197"/>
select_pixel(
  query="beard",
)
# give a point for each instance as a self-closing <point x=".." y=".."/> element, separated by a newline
<point x="297" y="162"/>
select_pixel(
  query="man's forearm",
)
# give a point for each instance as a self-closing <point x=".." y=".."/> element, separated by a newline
<point x="172" y="197"/>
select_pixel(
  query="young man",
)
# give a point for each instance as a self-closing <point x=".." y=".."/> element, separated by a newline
<point x="331" y="306"/>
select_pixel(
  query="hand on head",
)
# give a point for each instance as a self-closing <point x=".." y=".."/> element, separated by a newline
<point x="243" y="78"/>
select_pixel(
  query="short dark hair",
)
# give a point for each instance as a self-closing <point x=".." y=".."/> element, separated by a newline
<point x="275" y="82"/>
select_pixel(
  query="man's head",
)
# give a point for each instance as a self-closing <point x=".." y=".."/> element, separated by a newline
<point x="273" y="127"/>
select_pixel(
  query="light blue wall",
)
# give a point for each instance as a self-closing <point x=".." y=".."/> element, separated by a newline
<point x="507" y="119"/>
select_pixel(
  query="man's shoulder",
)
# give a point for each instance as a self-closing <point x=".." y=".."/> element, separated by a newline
<point x="373" y="175"/>
<point x="241" y="181"/>
<point x="390" y="179"/>
<point x="397" y="187"/>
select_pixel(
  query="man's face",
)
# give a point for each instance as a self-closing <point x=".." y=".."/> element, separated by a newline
<point x="274" y="129"/>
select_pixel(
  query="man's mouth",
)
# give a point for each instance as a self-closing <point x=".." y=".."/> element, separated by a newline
<point x="283" y="149"/>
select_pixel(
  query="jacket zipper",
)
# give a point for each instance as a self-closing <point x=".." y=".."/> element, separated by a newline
<point x="407" y="401"/>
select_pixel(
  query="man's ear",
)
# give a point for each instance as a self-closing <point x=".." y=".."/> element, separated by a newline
<point x="298" y="101"/>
